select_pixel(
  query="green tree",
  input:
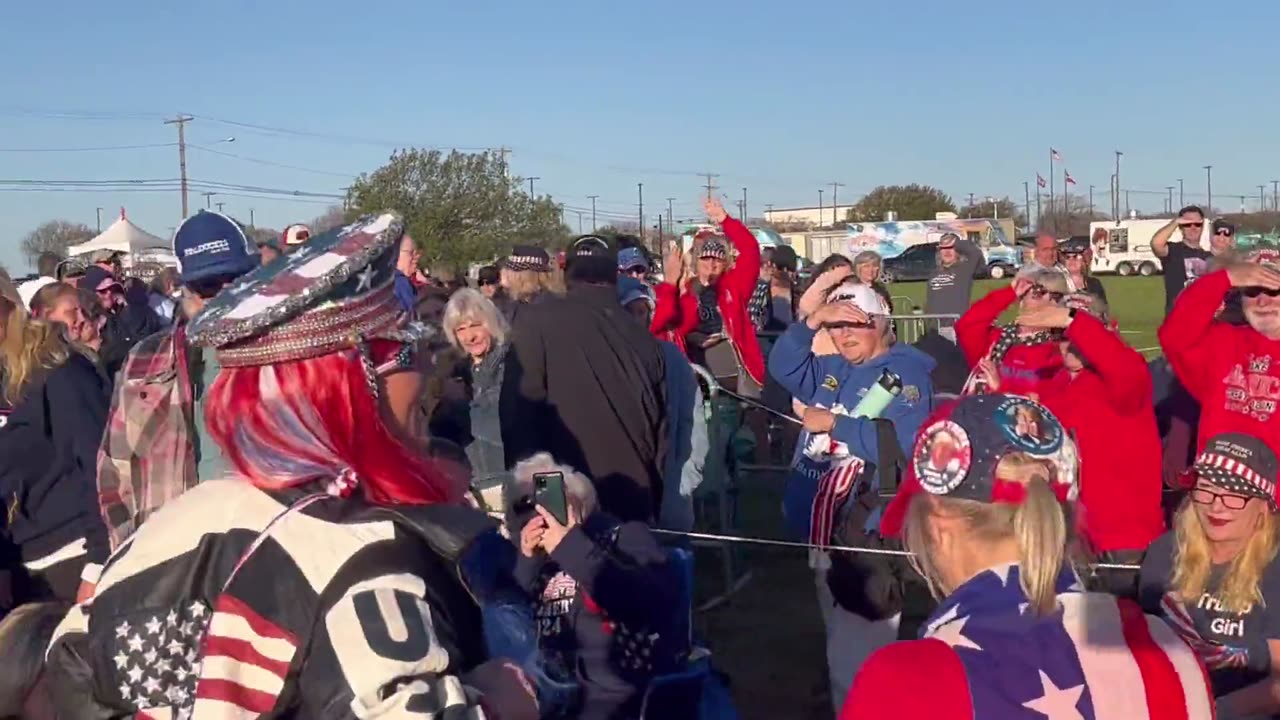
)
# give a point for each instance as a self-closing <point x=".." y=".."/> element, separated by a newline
<point x="460" y="208"/>
<point x="910" y="202"/>
<point x="54" y="236"/>
<point x="997" y="208"/>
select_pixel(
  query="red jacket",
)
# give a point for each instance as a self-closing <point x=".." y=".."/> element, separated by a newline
<point x="1109" y="410"/>
<point x="1024" y="368"/>
<point x="1229" y="369"/>
<point x="733" y="292"/>
<point x="670" y="322"/>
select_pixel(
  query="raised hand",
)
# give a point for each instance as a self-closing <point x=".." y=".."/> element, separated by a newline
<point x="715" y="210"/>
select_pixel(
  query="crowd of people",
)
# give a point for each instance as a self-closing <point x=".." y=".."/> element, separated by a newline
<point x="306" y="478"/>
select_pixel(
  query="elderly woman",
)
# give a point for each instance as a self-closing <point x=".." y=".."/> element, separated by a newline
<point x="474" y="326"/>
<point x="606" y="595"/>
<point x="1024" y="356"/>
<point x="987" y="516"/>
<point x="1216" y="577"/>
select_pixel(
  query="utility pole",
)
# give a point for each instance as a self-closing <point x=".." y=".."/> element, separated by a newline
<point x="580" y="221"/>
<point x="835" y="204"/>
<point x="671" y="226"/>
<point x="99" y="219"/>
<point x="1275" y="195"/>
<point x="819" y="207"/>
<point x="1208" y="178"/>
<point x="181" y="121"/>
<point x="1181" y="202"/>
<point x="1126" y="203"/>
<point x="251" y="223"/>
<point x="640" y="189"/>
<point x="503" y="152"/>
<point x="208" y="200"/>
<point x="970" y="204"/>
<point x="1262" y="198"/>
<point x="531" y="185"/>
<point x="1026" y="200"/>
<point x="711" y="184"/>
<point x="1090" y="201"/>
<point x="219" y="206"/>
<point x="593" y="198"/>
<point x="1170" y="189"/>
<point x="1115" y="198"/>
<point x="744" y="204"/>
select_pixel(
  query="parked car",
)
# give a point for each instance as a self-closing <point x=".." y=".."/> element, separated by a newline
<point x="915" y="263"/>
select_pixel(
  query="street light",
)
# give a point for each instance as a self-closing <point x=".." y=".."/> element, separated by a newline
<point x="995" y="209"/>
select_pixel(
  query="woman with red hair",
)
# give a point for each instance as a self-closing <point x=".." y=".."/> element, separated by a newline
<point x="334" y="574"/>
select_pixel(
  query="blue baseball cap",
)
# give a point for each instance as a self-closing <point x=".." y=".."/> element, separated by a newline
<point x="210" y="245"/>
<point x="632" y="257"/>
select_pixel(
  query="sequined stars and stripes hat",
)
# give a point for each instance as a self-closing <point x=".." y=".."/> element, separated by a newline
<point x="334" y="292"/>
<point x="1239" y="463"/>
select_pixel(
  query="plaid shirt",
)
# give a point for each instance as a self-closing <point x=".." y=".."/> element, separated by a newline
<point x="758" y="305"/>
<point x="147" y="458"/>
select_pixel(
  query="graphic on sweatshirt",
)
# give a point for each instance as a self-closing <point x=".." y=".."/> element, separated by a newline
<point x="820" y="447"/>
<point x="1251" y="388"/>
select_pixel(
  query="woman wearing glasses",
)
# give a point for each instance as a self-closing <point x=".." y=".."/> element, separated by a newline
<point x="1215" y="578"/>
<point x="1019" y="357"/>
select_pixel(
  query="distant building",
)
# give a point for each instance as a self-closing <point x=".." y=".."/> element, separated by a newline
<point x="811" y="216"/>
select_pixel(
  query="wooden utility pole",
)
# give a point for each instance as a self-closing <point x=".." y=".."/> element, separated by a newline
<point x="711" y="184"/>
<point x="181" y="121"/>
<point x="835" y="202"/>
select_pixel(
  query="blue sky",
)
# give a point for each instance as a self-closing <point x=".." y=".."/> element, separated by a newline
<point x="595" y="97"/>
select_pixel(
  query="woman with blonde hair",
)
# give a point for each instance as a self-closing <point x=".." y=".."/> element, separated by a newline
<point x="1023" y="356"/>
<point x="50" y="446"/>
<point x="1015" y="634"/>
<point x="526" y="276"/>
<point x="1215" y="575"/>
<point x="473" y="325"/>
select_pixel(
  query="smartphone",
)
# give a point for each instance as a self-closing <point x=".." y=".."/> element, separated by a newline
<point x="548" y="492"/>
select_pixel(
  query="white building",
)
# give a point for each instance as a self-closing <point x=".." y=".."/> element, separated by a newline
<point x="813" y="216"/>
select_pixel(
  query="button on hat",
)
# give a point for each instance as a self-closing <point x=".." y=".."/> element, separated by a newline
<point x="211" y="245"/>
<point x="957" y="450"/>
<point x="333" y="293"/>
<point x="1239" y="463"/>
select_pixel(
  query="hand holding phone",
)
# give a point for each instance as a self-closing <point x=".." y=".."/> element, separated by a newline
<point x="548" y="493"/>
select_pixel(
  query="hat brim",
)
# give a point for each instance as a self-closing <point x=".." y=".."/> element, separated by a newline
<point x="225" y="268"/>
<point x="1232" y="483"/>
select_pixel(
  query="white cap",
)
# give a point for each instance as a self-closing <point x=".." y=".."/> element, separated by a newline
<point x="28" y="289"/>
<point x="866" y="299"/>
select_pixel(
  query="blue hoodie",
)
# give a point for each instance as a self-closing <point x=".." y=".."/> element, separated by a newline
<point x="831" y="382"/>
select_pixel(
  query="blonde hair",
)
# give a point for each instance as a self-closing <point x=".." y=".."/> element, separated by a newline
<point x="523" y="285"/>
<point x="577" y="487"/>
<point x="468" y="305"/>
<point x="30" y="346"/>
<point x="1242" y="582"/>
<point x="1039" y="525"/>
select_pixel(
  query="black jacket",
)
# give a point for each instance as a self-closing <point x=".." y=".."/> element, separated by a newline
<point x="584" y="381"/>
<point x="123" y="330"/>
<point x="49" y="447"/>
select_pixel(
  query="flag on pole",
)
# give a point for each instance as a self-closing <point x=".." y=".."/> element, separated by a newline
<point x="1056" y="155"/>
<point x="1070" y="180"/>
<point x="1040" y="181"/>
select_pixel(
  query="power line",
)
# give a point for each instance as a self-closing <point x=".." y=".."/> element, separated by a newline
<point x="259" y="161"/>
<point x="275" y="130"/>
<point x="101" y="148"/>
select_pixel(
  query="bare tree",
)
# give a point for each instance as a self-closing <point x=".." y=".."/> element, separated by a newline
<point x="54" y="236"/>
<point x="334" y="217"/>
<point x="1074" y="219"/>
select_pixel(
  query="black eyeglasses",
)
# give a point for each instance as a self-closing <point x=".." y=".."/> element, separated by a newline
<point x="1230" y="501"/>
<point x="1040" y="291"/>
<point x="483" y="283"/>
<point x="1255" y="291"/>
<point x="1224" y="232"/>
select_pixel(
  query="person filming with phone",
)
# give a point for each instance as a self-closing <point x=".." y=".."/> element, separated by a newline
<point x="606" y="596"/>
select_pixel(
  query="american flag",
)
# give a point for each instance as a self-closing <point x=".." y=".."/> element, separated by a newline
<point x="1070" y="180"/>
<point x="1096" y="658"/>
<point x="1040" y="181"/>
<point x="1056" y="155"/>
<point x="833" y="487"/>
<point x="157" y="660"/>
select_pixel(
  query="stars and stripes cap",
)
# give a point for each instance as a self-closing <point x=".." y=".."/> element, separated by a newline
<point x="1239" y="463"/>
<point x="958" y="448"/>
<point x="527" y="257"/>
<point x="713" y="248"/>
<point x="334" y="292"/>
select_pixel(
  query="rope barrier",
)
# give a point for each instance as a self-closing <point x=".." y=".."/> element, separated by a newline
<point x="713" y="537"/>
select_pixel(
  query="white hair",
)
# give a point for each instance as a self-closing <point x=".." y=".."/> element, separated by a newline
<point x="468" y="305"/>
<point x="578" y="488"/>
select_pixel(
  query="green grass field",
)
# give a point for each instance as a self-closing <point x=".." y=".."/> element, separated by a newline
<point x="769" y="638"/>
<point x="1136" y="302"/>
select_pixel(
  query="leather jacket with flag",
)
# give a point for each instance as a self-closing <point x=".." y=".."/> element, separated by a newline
<point x="233" y="602"/>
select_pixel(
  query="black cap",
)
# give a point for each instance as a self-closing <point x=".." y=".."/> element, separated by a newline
<point x="1077" y="245"/>
<point x="488" y="275"/>
<point x="784" y="257"/>
<point x="1220" y="225"/>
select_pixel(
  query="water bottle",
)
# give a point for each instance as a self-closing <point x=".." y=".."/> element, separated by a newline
<point x="879" y="396"/>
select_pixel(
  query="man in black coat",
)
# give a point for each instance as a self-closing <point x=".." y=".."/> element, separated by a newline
<point x="129" y="318"/>
<point x="585" y="382"/>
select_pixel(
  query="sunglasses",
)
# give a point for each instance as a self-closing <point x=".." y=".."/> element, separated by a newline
<point x="1253" y="292"/>
<point x="1227" y="233"/>
<point x="1230" y="501"/>
<point x="1038" y="291"/>
<point x="1191" y="225"/>
<point x="485" y="283"/>
<point x="849" y="326"/>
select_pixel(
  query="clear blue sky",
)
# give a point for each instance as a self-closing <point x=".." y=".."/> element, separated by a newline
<point x="595" y="97"/>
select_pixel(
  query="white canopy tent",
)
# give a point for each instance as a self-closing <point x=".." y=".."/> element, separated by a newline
<point x="125" y="237"/>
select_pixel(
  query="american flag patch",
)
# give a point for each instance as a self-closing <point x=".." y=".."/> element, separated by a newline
<point x="833" y="487"/>
<point x="246" y="659"/>
<point x="157" y="658"/>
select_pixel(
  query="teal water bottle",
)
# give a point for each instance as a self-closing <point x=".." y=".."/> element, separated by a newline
<point x="879" y="396"/>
